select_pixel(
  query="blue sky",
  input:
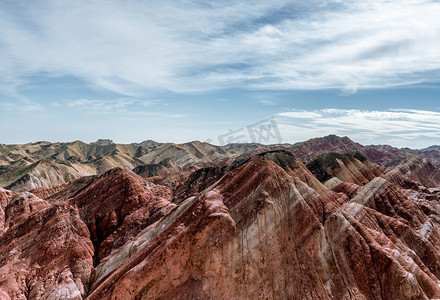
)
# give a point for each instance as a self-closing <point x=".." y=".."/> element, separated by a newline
<point x="192" y="70"/>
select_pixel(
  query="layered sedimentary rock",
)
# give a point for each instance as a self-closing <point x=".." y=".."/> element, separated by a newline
<point x="349" y="167"/>
<point x="49" y="250"/>
<point x="46" y="251"/>
<point x="388" y="155"/>
<point x="259" y="228"/>
<point x="5" y="198"/>
<point x="419" y="170"/>
<point x="44" y="164"/>
<point x="263" y="231"/>
<point x="46" y="173"/>
<point x="384" y="155"/>
<point x="306" y="151"/>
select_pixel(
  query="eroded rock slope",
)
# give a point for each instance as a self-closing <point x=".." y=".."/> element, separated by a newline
<point x="264" y="227"/>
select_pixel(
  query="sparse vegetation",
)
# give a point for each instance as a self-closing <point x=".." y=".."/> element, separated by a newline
<point x="394" y="161"/>
<point x="9" y="148"/>
<point x="282" y="158"/>
<point x="9" y="175"/>
<point x="318" y="166"/>
<point x="358" y="156"/>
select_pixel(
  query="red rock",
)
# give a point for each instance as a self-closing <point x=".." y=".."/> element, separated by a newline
<point x="46" y="251"/>
<point x="309" y="149"/>
<point x="5" y="197"/>
<point x="106" y="203"/>
<point x="347" y="188"/>
<point x="64" y="191"/>
<point x="419" y="170"/>
<point x="263" y="227"/>
<point x="350" y="167"/>
<point x="369" y="247"/>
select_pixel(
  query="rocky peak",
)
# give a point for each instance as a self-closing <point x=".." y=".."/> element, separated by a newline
<point x="259" y="227"/>
<point x="103" y="142"/>
<point x="349" y="167"/>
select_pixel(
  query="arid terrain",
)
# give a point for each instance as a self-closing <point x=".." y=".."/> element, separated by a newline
<point x="327" y="218"/>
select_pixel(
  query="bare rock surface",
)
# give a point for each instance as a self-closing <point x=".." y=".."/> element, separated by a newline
<point x="259" y="227"/>
<point x="419" y="170"/>
<point x="46" y="252"/>
<point x="45" y="164"/>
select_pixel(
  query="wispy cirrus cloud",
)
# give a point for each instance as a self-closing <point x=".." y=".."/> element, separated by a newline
<point x="128" y="47"/>
<point x="128" y="107"/>
<point x="21" y="105"/>
<point x="106" y="105"/>
<point x="401" y="127"/>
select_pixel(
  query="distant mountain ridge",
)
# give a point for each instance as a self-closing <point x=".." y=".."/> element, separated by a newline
<point x="433" y="147"/>
<point x="261" y="225"/>
<point x="40" y="164"/>
<point x="62" y="162"/>
<point x="327" y="218"/>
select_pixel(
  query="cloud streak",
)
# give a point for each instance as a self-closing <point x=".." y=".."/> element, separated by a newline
<point x="399" y="126"/>
<point x="105" y="105"/>
<point x="128" y="108"/>
<point x="132" y="46"/>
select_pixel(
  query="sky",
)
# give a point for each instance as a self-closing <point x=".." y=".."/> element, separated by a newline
<point x="220" y="71"/>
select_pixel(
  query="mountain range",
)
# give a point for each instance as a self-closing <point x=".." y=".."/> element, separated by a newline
<point x="40" y="164"/>
<point x="327" y="218"/>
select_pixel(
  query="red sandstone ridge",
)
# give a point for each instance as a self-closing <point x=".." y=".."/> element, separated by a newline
<point x="262" y="227"/>
<point x="44" y="164"/>
<point x="46" y="251"/>
<point x="349" y="167"/>
<point x="5" y="198"/>
<point x="384" y="155"/>
<point x="49" y="251"/>
<point x="419" y="170"/>
<point x="309" y="149"/>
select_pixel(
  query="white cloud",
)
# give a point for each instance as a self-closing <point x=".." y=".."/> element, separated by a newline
<point x="21" y="107"/>
<point x="401" y="126"/>
<point x="20" y="104"/>
<point x="105" y="105"/>
<point x="300" y="114"/>
<point x="131" y="108"/>
<point x="130" y="46"/>
<point x="266" y="101"/>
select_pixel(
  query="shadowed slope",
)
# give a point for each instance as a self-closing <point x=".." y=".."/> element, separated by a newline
<point x="349" y="167"/>
<point x="419" y="170"/>
<point x="262" y="231"/>
<point x="262" y="227"/>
